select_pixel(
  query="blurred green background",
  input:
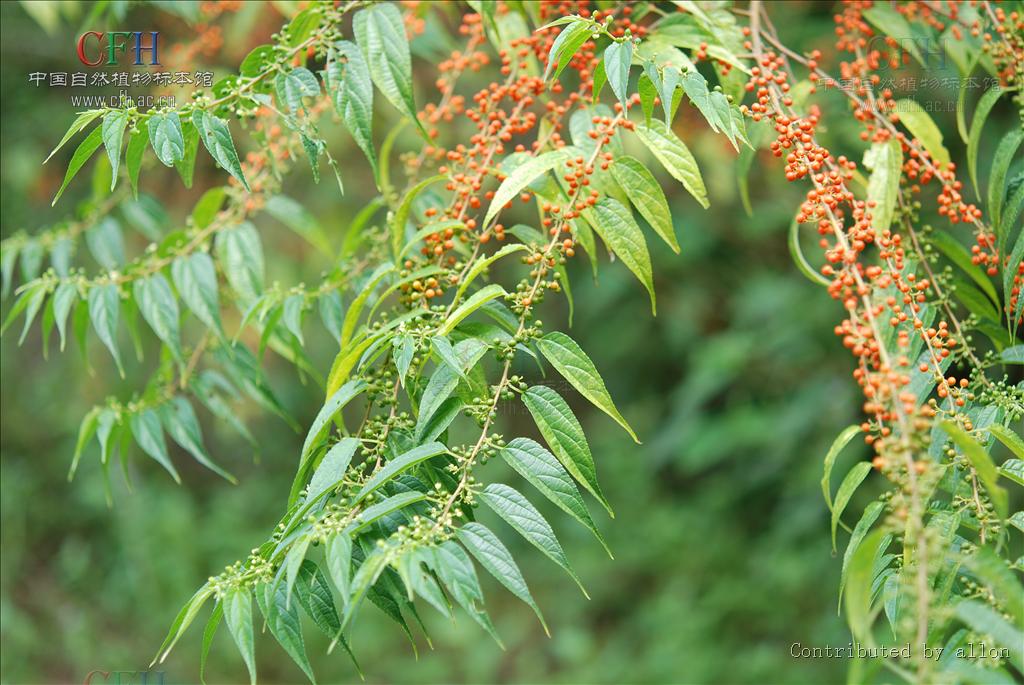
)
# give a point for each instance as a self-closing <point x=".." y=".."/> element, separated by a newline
<point x="721" y="540"/>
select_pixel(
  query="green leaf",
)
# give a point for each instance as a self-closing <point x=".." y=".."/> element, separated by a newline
<point x="241" y="257"/>
<point x="542" y="470"/>
<point x="986" y="621"/>
<point x="480" y="265"/>
<point x="237" y="604"/>
<point x="959" y="255"/>
<point x="216" y="136"/>
<point x="442" y="384"/>
<point x="522" y="176"/>
<point x="367" y="574"/>
<point x="885" y="160"/>
<point x="455" y="569"/>
<point x="82" y="154"/>
<point x="186" y="166"/>
<point x="859" y="613"/>
<point x="134" y="154"/>
<point x="166" y="137"/>
<point x="114" y="123"/>
<point x="348" y="326"/>
<point x="498" y="561"/>
<point x="399" y="464"/>
<point x="353" y="99"/>
<point x="997" y="576"/>
<point x="617" y="59"/>
<point x="576" y="367"/>
<point x="292" y="315"/>
<point x="1005" y="153"/>
<point x="860" y="531"/>
<point x="149" y="435"/>
<point x="566" y="44"/>
<point x="517" y="512"/>
<point x="383" y="508"/>
<point x="921" y="126"/>
<point x="616" y="225"/>
<point x="982" y="463"/>
<point x="380" y="33"/>
<point x="208" y="634"/>
<point x="474" y="302"/>
<point x="320" y="426"/>
<point x="401" y="218"/>
<point x="106" y="243"/>
<point x="296" y="217"/>
<point x="981" y="112"/>
<point x="195" y="278"/>
<point x="841" y="441"/>
<point x="292" y="86"/>
<point x="896" y="26"/>
<point x="647" y="196"/>
<point x="79" y="124"/>
<point x="332" y="469"/>
<point x="182" y="425"/>
<point x="160" y="310"/>
<point x="850" y="483"/>
<point x="208" y="207"/>
<point x="283" y="623"/>
<point x="564" y="435"/>
<point x="182" y="621"/>
<point x="1006" y="436"/>
<point x="64" y="298"/>
<point x="338" y="555"/>
<point x="675" y="157"/>
<point x="104" y="310"/>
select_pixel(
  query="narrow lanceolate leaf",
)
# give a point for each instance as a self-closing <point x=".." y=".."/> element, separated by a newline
<point x="380" y="33"/>
<point x="542" y="470"/>
<point x="283" y="623"/>
<point x="482" y="264"/>
<point x="517" y="512"/>
<point x="195" y="277"/>
<point x="134" y="153"/>
<point x="166" y="137"/>
<point x="216" y="136"/>
<point x="858" y="586"/>
<point x="522" y="176"/>
<point x="353" y="99"/>
<point x="79" y="124"/>
<point x="981" y="461"/>
<point x="564" y="435"/>
<point x="920" y="124"/>
<point x="981" y="112"/>
<point x="617" y="59"/>
<point x="83" y="152"/>
<point x="114" y="123"/>
<point x="498" y="561"/>
<point x="338" y="555"/>
<point x="1005" y="154"/>
<point x="182" y="621"/>
<point x="885" y="160"/>
<point x="577" y="368"/>
<point x="675" y="157"/>
<point x="565" y="45"/>
<point x="455" y="569"/>
<point x="646" y="194"/>
<point x="241" y="256"/>
<point x="849" y="485"/>
<point x="1006" y="436"/>
<point x="986" y="621"/>
<point x="383" y="508"/>
<point x="841" y="441"/>
<point x="183" y="426"/>
<point x="106" y="243"/>
<point x="474" y="302"/>
<point x="402" y="462"/>
<point x="237" y="604"/>
<point x="209" y="632"/>
<point x="104" y="311"/>
<point x="860" y="531"/>
<point x="294" y="85"/>
<point x="616" y="225"/>
<point x="159" y="308"/>
<point x="149" y="434"/>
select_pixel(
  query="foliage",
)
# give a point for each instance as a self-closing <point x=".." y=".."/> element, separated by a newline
<point x="387" y="479"/>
